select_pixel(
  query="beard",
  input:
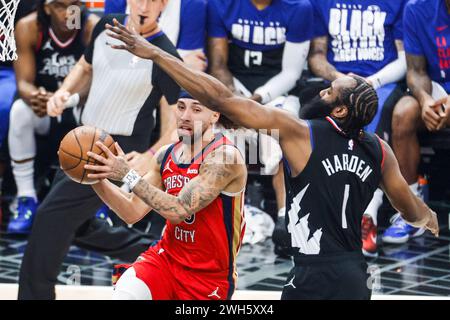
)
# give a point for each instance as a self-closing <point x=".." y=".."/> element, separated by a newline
<point x="316" y="108"/>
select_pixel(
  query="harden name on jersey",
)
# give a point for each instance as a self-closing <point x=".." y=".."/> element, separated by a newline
<point x="345" y="162"/>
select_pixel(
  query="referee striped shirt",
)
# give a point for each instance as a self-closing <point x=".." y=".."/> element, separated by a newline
<point x="125" y="89"/>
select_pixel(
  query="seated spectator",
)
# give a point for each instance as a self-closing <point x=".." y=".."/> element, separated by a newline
<point x="8" y="90"/>
<point x="427" y="45"/>
<point x="122" y="93"/>
<point x="184" y="23"/>
<point x="48" y="48"/>
<point x="363" y="38"/>
<point x="259" y="49"/>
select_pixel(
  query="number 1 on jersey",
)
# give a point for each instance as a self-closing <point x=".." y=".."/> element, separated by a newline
<point x="344" y="206"/>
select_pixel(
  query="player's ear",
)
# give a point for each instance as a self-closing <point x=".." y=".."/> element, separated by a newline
<point x="46" y="9"/>
<point x="164" y="3"/>
<point x="340" y="112"/>
<point x="215" y="117"/>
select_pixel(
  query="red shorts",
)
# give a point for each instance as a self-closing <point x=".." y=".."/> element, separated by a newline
<point x="169" y="280"/>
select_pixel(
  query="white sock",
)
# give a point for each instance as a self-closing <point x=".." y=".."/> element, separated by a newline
<point x="282" y="212"/>
<point x="415" y="189"/>
<point x="374" y="205"/>
<point x="23" y="175"/>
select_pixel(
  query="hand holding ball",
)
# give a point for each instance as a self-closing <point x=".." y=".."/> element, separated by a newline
<point x="74" y="148"/>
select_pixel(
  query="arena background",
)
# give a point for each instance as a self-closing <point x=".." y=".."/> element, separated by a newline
<point x="419" y="269"/>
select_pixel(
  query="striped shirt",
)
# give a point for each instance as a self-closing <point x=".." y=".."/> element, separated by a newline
<point x="125" y="89"/>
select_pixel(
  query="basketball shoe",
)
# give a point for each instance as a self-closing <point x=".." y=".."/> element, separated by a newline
<point x="118" y="271"/>
<point x="22" y="219"/>
<point x="103" y="214"/>
<point x="369" y="237"/>
<point x="400" y="232"/>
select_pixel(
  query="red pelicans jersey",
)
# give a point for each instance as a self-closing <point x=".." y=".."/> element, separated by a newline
<point x="210" y="239"/>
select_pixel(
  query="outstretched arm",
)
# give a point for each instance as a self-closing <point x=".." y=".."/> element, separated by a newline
<point x="213" y="178"/>
<point x="208" y="90"/>
<point x="411" y="207"/>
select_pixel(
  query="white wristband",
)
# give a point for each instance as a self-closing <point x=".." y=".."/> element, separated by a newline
<point x="73" y="101"/>
<point x="131" y="179"/>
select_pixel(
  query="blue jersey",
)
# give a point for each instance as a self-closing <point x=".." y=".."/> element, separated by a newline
<point x="257" y="37"/>
<point x="427" y="33"/>
<point x="115" y="6"/>
<point x="260" y="30"/>
<point x="361" y="33"/>
<point x="192" y="21"/>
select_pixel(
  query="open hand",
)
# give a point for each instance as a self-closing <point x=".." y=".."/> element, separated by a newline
<point x="112" y="167"/>
<point x="132" y="41"/>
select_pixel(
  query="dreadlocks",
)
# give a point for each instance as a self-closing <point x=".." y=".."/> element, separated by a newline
<point x="362" y="104"/>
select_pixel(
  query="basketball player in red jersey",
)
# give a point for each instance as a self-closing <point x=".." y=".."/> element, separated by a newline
<point x="202" y="199"/>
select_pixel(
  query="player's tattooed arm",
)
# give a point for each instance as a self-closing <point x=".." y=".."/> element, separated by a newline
<point x="219" y="170"/>
<point x="318" y="61"/>
<point x="218" y="61"/>
<point x="214" y="176"/>
<point x="417" y="77"/>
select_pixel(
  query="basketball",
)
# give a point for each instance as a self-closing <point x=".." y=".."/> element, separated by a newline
<point x="73" y="151"/>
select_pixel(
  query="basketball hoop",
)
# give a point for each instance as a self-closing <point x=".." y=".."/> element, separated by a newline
<point x="8" y="10"/>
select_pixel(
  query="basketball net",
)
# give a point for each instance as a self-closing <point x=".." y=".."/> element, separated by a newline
<point x="8" y="10"/>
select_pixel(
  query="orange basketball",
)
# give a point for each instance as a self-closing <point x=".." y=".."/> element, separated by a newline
<point x="73" y="151"/>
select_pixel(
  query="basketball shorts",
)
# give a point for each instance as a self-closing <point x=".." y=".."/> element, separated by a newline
<point x="169" y="280"/>
<point x="315" y="278"/>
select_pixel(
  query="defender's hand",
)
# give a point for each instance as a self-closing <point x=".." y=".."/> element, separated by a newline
<point x="112" y="167"/>
<point x="433" y="224"/>
<point x="133" y="41"/>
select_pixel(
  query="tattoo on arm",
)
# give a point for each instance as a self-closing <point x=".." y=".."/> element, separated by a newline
<point x="218" y="58"/>
<point x="318" y="59"/>
<point x="214" y="176"/>
<point x="202" y="191"/>
<point x="417" y="77"/>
